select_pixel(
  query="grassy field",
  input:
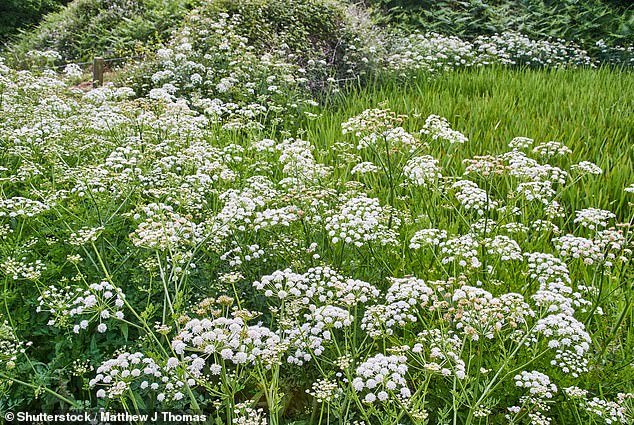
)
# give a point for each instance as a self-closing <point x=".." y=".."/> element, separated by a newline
<point x="588" y="110"/>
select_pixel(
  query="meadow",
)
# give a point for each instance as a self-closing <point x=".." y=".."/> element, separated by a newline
<point x="428" y="231"/>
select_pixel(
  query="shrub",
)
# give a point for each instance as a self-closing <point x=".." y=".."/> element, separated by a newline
<point x="18" y="14"/>
<point x="87" y="28"/>
<point x="584" y="21"/>
<point x="274" y="52"/>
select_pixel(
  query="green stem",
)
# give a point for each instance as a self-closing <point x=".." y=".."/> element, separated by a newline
<point x="74" y="404"/>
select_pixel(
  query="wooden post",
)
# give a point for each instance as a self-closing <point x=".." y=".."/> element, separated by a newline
<point x="97" y="71"/>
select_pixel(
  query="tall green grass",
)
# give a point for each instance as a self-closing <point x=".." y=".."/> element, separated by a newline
<point x="588" y="110"/>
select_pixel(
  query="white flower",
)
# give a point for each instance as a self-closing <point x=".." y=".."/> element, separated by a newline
<point x="438" y="128"/>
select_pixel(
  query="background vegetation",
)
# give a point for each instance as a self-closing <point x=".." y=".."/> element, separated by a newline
<point x="85" y="28"/>
<point x="584" y="21"/>
<point x="21" y="14"/>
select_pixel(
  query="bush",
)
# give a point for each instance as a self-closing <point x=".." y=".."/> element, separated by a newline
<point x="273" y="50"/>
<point x="584" y="21"/>
<point x="18" y="14"/>
<point x="310" y="30"/>
<point x="87" y="28"/>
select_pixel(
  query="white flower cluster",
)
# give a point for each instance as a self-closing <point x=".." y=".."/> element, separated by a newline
<point x="283" y="284"/>
<point x="84" y="235"/>
<point x="593" y="218"/>
<point x="131" y="372"/>
<point x="463" y="250"/>
<point x="108" y="92"/>
<point x="552" y="148"/>
<point x="22" y="269"/>
<point x="382" y="378"/>
<point x="521" y="142"/>
<point x="49" y="55"/>
<point x="228" y="339"/>
<point x="325" y="390"/>
<point x="299" y="162"/>
<point x="610" y="411"/>
<point x="10" y="346"/>
<point x="524" y="167"/>
<point x="247" y="415"/>
<point x="570" y="246"/>
<point x="555" y="292"/>
<point x="438" y="351"/>
<point x="541" y="191"/>
<point x="239" y="207"/>
<point x="402" y="301"/>
<point x="471" y="197"/>
<point x="537" y="383"/>
<point x="568" y="338"/>
<point x="587" y="167"/>
<point x="484" y="165"/>
<point x="21" y="207"/>
<point x="309" y="340"/>
<point x="240" y="255"/>
<point x="394" y="138"/>
<point x="432" y="237"/>
<point x="478" y="313"/>
<point x="73" y="71"/>
<point x="547" y="268"/>
<point x="614" y="245"/>
<point x="504" y="247"/>
<point x="272" y="217"/>
<point x="364" y="168"/>
<point x="422" y="171"/>
<point x="371" y="121"/>
<point x="101" y="300"/>
<point x="361" y="220"/>
<point x="328" y="286"/>
<point x="438" y="128"/>
<point x="575" y="392"/>
<point x="484" y="227"/>
<point x="163" y="229"/>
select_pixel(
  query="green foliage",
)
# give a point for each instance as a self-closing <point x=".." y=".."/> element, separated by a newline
<point x="309" y="30"/>
<point x="220" y="170"/>
<point x="18" y="14"/>
<point x="301" y="24"/>
<point x="583" y="21"/>
<point x="87" y="28"/>
<point x="124" y="170"/>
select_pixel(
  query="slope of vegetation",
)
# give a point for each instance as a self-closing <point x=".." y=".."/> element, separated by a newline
<point x="87" y="28"/>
